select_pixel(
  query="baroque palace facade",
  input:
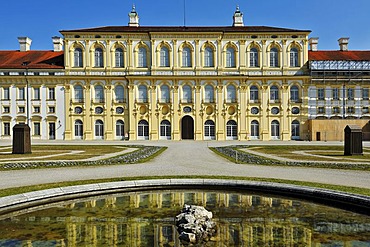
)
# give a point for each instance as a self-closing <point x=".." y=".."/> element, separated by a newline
<point x="173" y="83"/>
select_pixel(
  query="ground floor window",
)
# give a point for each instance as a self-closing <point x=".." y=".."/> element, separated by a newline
<point x="120" y="129"/>
<point x="36" y="129"/>
<point x="275" y="130"/>
<point x="209" y="130"/>
<point x="295" y="130"/>
<point x="255" y="129"/>
<point x="99" y="129"/>
<point x="51" y="131"/>
<point x="6" y="129"/>
<point x="231" y="130"/>
<point x="143" y="130"/>
<point x="165" y="130"/>
<point x="78" y="129"/>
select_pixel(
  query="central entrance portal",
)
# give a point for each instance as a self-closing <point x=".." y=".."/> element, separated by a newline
<point x="187" y="128"/>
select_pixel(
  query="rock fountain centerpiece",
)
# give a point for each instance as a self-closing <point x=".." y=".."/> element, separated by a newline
<point x="195" y="225"/>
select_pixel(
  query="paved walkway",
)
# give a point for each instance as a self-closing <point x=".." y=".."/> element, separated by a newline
<point x="185" y="158"/>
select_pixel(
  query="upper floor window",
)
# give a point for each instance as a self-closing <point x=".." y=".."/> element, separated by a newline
<point x="165" y="94"/>
<point x="253" y="57"/>
<point x="99" y="93"/>
<point x="274" y="57"/>
<point x="51" y="93"/>
<point x="142" y="58"/>
<point x="321" y="94"/>
<point x="294" y="94"/>
<point x="6" y="93"/>
<point x="208" y="57"/>
<point x="118" y="54"/>
<point x="21" y="93"/>
<point x="79" y="93"/>
<point x="36" y="93"/>
<point x="164" y="57"/>
<point x="350" y="94"/>
<point x="294" y="57"/>
<point x="78" y="57"/>
<point x="274" y="93"/>
<point x="209" y="95"/>
<point x="365" y="94"/>
<point x="119" y="92"/>
<point x="186" y="94"/>
<point x="186" y="57"/>
<point x="230" y="58"/>
<point x="231" y="94"/>
<point x="143" y="94"/>
<point x="335" y="93"/>
<point x="99" y="57"/>
<point x="253" y="93"/>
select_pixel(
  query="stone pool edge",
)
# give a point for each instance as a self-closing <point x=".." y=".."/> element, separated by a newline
<point x="352" y="202"/>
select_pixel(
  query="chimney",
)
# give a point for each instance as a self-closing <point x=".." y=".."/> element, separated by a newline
<point x="313" y="42"/>
<point x="238" y="18"/>
<point x="134" y="17"/>
<point x="58" y="43"/>
<point x="24" y="43"/>
<point x="343" y="44"/>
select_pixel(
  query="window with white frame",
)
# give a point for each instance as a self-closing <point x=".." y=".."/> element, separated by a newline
<point x="230" y="57"/>
<point x="77" y="58"/>
<point x="21" y="93"/>
<point x="36" y="129"/>
<point x="209" y="129"/>
<point x="79" y="93"/>
<point x="186" y="94"/>
<point x="142" y="58"/>
<point x="231" y="94"/>
<point x="78" y="129"/>
<point x="320" y="94"/>
<point x="335" y="93"/>
<point x="294" y="62"/>
<point x="36" y="93"/>
<point x="119" y="93"/>
<point x="165" y="129"/>
<point x="6" y="109"/>
<point x="295" y="130"/>
<point x="336" y="110"/>
<point x="164" y="57"/>
<point x="231" y="129"/>
<point x="274" y="57"/>
<point x="350" y="94"/>
<point x="253" y="93"/>
<point x="294" y="94"/>
<point x="365" y="94"/>
<point x="209" y="94"/>
<point x="143" y="94"/>
<point x="99" y="94"/>
<point x="275" y="129"/>
<point x="118" y="55"/>
<point x="255" y="133"/>
<point x="208" y="57"/>
<point x="99" y="129"/>
<point x="321" y="110"/>
<point x="253" y="57"/>
<point x="51" y="93"/>
<point x="6" y="129"/>
<point x="120" y="129"/>
<point x="186" y="57"/>
<point x="274" y="93"/>
<point x="143" y="129"/>
<point x="6" y="93"/>
<point x="165" y="94"/>
<point x="36" y="109"/>
<point x="21" y="109"/>
<point x="99" y="61"/>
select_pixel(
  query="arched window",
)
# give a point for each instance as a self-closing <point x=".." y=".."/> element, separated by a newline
<point x="231" y="130"/>
<point x="99" y="94"/>
<point x="186" y="94"/>
<point x="253" y="91"/>
<point x="78" y="61"/>
<point x="118" y="54"/>
<point x="231" y="94"/>
<point x="186" y="57"/>
<point x="274" y="57"/>
<point x="209" y="95"/>
<point x="120" y="129"/>
<point x="255" y="129"/>
<point x="253" y="58"/>
<point x="165" y="94"/>
<point x="119" y="93"/>
<point x="208" y="57"/>
<point x="209" y="130"/>
<point x="143" y="94"/>
<point x="79" y="131"/>
<point x="165" y="128"/>
<point x="295" y="130"/>
<point x="143" y="130"/>
<point x="164" y="57"/>
<point x="294" y="57"/>
<point x="79" y="94"/>
<point x="275" y="129"/>
<point x="230" y="58"/>
<point x="99" y="129"/>
<point x="99" y="61"/>
<point x="274" y="93"/>
<point x="294" y="94"/>
<point x="142" y="58"/>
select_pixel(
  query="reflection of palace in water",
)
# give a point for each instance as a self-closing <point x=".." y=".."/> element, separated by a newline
<point x="147" y="219"/>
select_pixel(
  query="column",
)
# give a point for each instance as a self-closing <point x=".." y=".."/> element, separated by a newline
<point x="175" y="112"/>
<point x="67" y="109"/>
<point x="198" y="113"/>
<point x="174" y="55"/>
<point x="88" y="108"/>
<point x="153" y="118"/>
<point x="242" y="124"/>
<point x="132" y="110"/>
<point x="242" y="55"/>
<point x="264" y="120"/>
<point x="108" y="122"/>
<point x="284" y="121"/>
<point x="220" y="115"/>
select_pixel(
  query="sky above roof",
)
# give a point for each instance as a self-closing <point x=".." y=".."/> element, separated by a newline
<point x="327" y="19"/>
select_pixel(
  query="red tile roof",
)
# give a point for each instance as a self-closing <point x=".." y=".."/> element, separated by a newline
<point x="339" y="55"/>
<point x="36" y="59"/>
<point x="146" y="29"/>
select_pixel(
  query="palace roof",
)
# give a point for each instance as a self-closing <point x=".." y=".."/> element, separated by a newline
<point x="35" y="59"/>
<point x="189" y="29"/>
<point x="339" y="55"/>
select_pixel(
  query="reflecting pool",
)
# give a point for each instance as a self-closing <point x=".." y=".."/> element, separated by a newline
<point x="147" y="219"/>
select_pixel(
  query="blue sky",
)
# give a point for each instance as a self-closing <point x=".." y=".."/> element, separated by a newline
<point x="327" y="19"/>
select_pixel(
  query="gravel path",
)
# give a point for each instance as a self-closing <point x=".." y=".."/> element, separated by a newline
<point x="184" y="158"/>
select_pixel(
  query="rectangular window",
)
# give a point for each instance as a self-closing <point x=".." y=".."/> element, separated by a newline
<point x="335" y="93"/>
<point x="36" y="109"/>
<point x="365" y="110"/>
<point x="36" y="93"/>
<point x="6" y="109"/>
<point x="6" y="93"/>
<point x="351" y="110"/>
<point x="336" y="110"/>
<point x="320" y="94"/>
<point x="51" y="109"/>
<point x="36" y="129"/>
<point x="21" y="109"/>
<point x="6" y="129"/>
<point x="350" y="94"/>
<point x="365" y="94"/>
<point x="321" y="110"/>
<point x="51" y="93"/>
<point x="21" y="93"/>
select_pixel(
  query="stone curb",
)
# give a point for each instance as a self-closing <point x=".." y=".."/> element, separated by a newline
<point x="352" y="202"/>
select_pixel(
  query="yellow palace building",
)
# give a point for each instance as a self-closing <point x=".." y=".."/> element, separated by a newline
<point x="200" y="83"/>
